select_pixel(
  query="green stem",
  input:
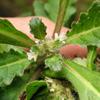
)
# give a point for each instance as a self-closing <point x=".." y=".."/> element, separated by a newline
<point x="61" y="15"/>
<point x="91" y="57"/>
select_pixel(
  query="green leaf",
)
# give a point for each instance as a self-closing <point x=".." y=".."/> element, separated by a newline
<point x="16" y="89"/>
<point x="13" y="91"/>
<point x="38" y="28"/>
<point x="39" y="8"/>
<point x="87" y="30"/>
<point x="36" y="89"/>
<point x="54" y="63"/>
<point x="50" y="9"/>
<point x="7" y="48"/>
<point x="4" y="48"/>
<point x="86" y="82"/>
<point x="91" y="57"/>
<point x="80" y="61"/>
<point x="52" y="6"/>
<point x="10" y="35"/>
<point x="70" y="13"/>
<point x="12" y="64"/>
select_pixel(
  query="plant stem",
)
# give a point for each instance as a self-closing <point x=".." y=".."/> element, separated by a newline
<point x="91" y="57"/>
<point x="61" y="15"/>
<point x="36" y="73"/>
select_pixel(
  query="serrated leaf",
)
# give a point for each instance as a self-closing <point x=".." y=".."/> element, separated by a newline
<point x="3" y="48"/>
<point x="16" y="90"/>
<point x="13" y="91"/>
<point x="7" y="48"/>
<point x="10" y="35"/>
<point x="38" y="29"/>
<point x="87" y="30"/>
<point x="54" y="63"/>
<point x="86" y="82"/>
<point x="36" y="89"/>
<point x="12" y="64"/>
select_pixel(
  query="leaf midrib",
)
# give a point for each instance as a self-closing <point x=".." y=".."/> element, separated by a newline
<point x="16" y="37"/>
<point x="82" y="79"/>
<point x="75" y="36"/>
<point x="12" y="63"/>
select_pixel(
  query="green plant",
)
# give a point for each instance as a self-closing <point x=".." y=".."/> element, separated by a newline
<point x="45" y="74"/>
<point x="46" y="9"/>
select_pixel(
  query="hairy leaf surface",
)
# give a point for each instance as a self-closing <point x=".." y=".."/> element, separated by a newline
<point x="7" y="48"/>
<point x="16" y="90"/>
<point x="87" y="30"/>
<point x="38" y="29"/>
<point x="12" y="64"/>
<point x="54" y="63"/>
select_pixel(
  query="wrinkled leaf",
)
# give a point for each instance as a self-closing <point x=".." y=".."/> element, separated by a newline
<point x="10" y="35"/>
<point x="36" y="90"/>
<point x="86" y="82"/>
<point x="38" y="29"/>
<point x="54" y="63"/>
<point x="7" y="48"/>
<point x="87" y="30"/>
<point x="12" y="64"/>
<point x="15" y="91"/>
